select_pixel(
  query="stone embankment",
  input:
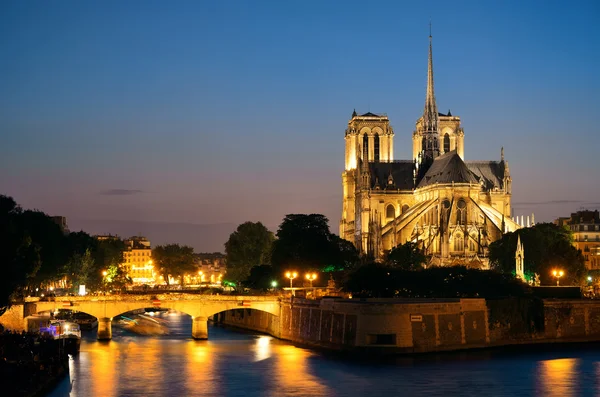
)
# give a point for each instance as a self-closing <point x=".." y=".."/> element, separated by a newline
<point x="427" y="325"/>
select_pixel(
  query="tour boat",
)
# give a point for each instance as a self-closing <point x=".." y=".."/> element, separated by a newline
<point x="66" y="331"/>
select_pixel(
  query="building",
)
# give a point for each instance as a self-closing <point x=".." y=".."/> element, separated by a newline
<point x="61" y="221"/>
<point x="451" y="207"/>
<point x="211" y="267"/>
<point x="137" y="259"/>
<point x="585" y="226"/>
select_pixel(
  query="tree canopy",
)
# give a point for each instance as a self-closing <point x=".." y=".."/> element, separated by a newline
<point x="304" y="243"/>
<point x="174" y="260"/>
<point x="248" y="246"/>
<point x="407" y="256"/>
<point x="376" y="280"/>
<point x="547" y="247"/>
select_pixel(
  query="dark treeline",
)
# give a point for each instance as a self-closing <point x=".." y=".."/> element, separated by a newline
<point x="36" y="253"/>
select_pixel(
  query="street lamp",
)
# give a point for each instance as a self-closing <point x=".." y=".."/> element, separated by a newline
<point x="273" y="284"/>
<point x="311" y="278"/>
<point x="589" y="278"/>
<point x="291" y="276"/>
<point x="558" y="274"/>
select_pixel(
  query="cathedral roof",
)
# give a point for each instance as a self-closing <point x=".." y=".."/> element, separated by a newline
<point x="490" y="174"/>
<point x="369" y="114"/>
<point x="447" y="168"/>
<point x="401" y="171"/>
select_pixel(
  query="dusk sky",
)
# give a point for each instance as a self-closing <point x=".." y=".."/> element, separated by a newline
<point x="157" y="117"/>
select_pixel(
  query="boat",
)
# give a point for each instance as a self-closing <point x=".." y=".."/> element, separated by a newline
<point x="85" y="321"/>
<point x="143" y="325"/>
<point x="66" y="331"/>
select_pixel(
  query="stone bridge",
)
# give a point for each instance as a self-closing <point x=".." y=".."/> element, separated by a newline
<point x="105" y="308"/>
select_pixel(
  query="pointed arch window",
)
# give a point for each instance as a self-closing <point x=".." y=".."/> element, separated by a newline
<point x="459" y="243"/>
<point x="446" y="143"/>
<point x="376" y="146"/>
<point x="365" y="147"/>
<point x="424" y="144"/>
<point x="461" y="212"/>
<point x="390" y="212"/>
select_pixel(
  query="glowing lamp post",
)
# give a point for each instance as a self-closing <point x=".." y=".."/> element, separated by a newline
<point x="291" y="276"/>
<point x="558" y="274"/>
<point x="311" y="277"/>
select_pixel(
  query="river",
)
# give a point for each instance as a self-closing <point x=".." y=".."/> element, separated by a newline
<point x="231" y="363"/>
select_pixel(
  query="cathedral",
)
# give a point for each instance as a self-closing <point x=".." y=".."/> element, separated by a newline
<point x="452" y="208"/>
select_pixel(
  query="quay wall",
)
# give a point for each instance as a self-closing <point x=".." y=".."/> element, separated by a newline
<point x="415" y="326"/>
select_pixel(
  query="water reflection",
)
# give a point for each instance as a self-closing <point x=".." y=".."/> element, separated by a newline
<point x="241" y="364"/>
<point x="262" y="349"/>
<point x="292" y="373"/>
<point x="557" y="377"/>
<point x="199" y="369"/>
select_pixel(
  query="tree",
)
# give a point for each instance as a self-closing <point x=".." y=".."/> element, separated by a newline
<point x="19" y="256"/>
<point x="304" y="243"/>
<point x="261" y="277"/>
<point x="407" y="256"/>
<point x="173" y="260"/>
<point x="547" y="247"/>
<point x="250" y="245"/>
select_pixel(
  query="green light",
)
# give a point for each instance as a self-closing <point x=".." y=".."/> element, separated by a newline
<point x="273" y="284"/>
<point x="589" y="278"/>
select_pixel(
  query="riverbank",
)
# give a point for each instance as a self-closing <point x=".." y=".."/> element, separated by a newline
<point x="411" y="326"/>
<point x="30" y="365"/>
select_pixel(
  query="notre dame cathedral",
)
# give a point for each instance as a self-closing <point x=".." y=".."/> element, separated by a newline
<point x="452" y="208"/>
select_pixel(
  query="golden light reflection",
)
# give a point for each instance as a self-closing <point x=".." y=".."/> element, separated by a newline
<point x="292" y="372"/>
<point x="148" y="352"/>
<point x="262" y="348"/>
<point x="200" y="368"/>
<point x="103" y="370"/>
<point x="557" y="377"/>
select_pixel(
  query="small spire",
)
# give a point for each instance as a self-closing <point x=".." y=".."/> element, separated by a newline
<point x="354" y="113"/>
<point x="502" y="154"/>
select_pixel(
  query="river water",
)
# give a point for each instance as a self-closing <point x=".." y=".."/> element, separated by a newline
<point x="231" y="363"/>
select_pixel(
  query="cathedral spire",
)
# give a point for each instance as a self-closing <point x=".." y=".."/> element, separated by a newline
<point x="430" y="114"/>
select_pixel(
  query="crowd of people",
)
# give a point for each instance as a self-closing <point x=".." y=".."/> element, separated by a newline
<point x="30" y="362"/>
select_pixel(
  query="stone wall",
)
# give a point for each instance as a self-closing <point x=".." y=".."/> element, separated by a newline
<point x="412" y="326"/>
<point x="14" y="318"/>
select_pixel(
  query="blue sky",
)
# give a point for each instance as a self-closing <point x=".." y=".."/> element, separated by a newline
<point x="221" y="112"/>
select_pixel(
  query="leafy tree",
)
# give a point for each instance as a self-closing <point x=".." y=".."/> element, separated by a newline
<point x="91" y="257"/>
<point x="547" y="247"/>
<point x="19" y="256"/>
<point x="51" y="242"/>
<point x="375" y="280"/>
<point x="407" y="256"/>
<point x="250" y="245"/>
<point x="304" y="243"/>
<point x="261" y="277"/>
<point x="173" y="260"/>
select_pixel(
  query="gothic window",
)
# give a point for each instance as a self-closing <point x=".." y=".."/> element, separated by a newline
<point x="461" y="212"/>
<point x="390" y="212"/>
<point x="459" y="243"/>
<point x="446" y="143"/>
<point x="376" y="146"/>
<point x="404" y="208"/>
<point x="366" y="147"/>
<point x="471" y="244"/>
<point x="424" y="144"/>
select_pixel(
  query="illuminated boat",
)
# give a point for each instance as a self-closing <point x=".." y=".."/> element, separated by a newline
<point x="66" y="331"/>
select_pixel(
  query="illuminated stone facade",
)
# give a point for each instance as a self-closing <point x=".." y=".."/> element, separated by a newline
<point x="211" y="267"/>
<point x="137" y="259"/>
<point x="451" y="207"/>
<point x="585" y="226"/>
